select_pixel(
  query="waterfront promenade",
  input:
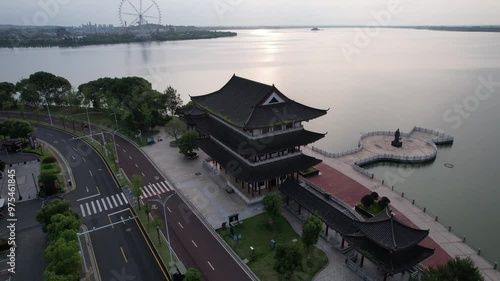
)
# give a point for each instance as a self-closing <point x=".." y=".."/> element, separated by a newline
<point x="339" y="177"/>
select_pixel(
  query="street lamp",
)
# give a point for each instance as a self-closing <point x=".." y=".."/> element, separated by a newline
<point x="48" y="110"/>
<point x="164" y="203"/>
<point x="88" y="120"/>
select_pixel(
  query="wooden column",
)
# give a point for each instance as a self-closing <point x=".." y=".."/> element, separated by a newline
<point x="259" y="188"/>
<point x="343" y="242"/>
<point x="253" y="189"/>
<point x="362" y="260"/>
<point x="300" y="207"/>
<point x="385" y="276"/>
<point x="287" y="200"/>
<point x="326" y="231"/>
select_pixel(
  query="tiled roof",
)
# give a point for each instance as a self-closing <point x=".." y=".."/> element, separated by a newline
<point x="238" y="103"/>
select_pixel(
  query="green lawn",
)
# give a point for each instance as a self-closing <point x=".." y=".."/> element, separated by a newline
<point x="373" y="209"/>
<point x="256" y="232"/>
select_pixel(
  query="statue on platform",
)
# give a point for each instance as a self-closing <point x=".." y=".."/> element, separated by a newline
<point x="397" y="139"/>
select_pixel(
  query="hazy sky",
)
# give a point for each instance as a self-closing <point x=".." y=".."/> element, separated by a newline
<point x="254" y="12"/>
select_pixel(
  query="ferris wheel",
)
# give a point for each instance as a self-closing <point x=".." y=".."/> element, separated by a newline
<point x="140" y="13"/>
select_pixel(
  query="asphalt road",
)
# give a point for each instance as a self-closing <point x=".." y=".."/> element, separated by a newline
<point x="192" y="241"/>
<point x="121" y="250"/>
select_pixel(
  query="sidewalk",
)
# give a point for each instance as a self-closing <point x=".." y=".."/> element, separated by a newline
<point x="195" y="182"/>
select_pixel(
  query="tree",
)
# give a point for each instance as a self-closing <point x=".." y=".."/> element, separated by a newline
<point x="28" y="94"/>
<point x="273" y="205"/>
<point x="74" y="99"/>
<point x="175" y="128"/>
<point x="192" y="274"/>
<point x="45" y="214"/>
<point x="187" y="144"/>
<point x="288" y="258"/>
<point x="51" y="88"/>
<point x="156" y="223"/>
<point x="136" y="188"/>
<point x="147" y="210"/>
<point x="310" y="232"/>
<point x="59" y="223"/>
<point x="383" y="202"/>
<point x="63" y="258"/>
<point x="171" y="100"/>
<point x="367" y="200"/>
<point x="2" y="166"/>
<point x="48" y="184"/>
<point x="457" y="269"/>
<point x="7" y="92"/>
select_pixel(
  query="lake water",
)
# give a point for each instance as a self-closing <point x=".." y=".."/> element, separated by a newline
<point x="401" y="78"/>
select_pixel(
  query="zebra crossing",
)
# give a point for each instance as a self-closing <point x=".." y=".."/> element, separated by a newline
<point x="103" y="204"/>
<point x="155" y="189"/>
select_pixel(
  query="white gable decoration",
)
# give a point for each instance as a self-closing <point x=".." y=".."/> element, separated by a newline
<point x="273" y="99"/>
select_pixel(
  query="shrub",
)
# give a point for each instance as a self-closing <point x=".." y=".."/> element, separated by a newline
<point x="367" y="200"/>
<point x="49" y="159"/>
<point x="48" y="166"/>
<point x="47" y="184"/>
<point x="374" y="195"/>
<point x="383" y="202"/>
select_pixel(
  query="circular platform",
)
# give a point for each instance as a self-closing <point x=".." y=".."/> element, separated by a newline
<point x="411" y="146"/>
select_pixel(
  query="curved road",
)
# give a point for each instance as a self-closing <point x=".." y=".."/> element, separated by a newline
<point x="192" y="241"/>
<point x="121" y="250"/>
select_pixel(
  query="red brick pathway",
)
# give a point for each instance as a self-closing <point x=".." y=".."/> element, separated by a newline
<point x="350" y="191"/>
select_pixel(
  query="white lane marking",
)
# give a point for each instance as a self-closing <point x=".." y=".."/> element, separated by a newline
<point x="119" y="200"/>
<point x="194" y="244"/>
<point x="63" y="140"/>
<point x="88" y="197"/>
<point x="124" y="151"/>
<point x="73" y="157"/>
<point x="104" y="204"/>
<point x="143" y="174"/>
<point x="93" y="207"/>
<point x="98" y="205"/>
<point x="88" y="208"/>
<point x="116" y="204"/>
<point x="165" y="185"/>
<point x="180" y="224"/>
<point x="169" y="209"/>
<point x="83" y="158"/>
<point x="136" y="166"/>
<point x="160" y="187"/>
<point x="151" y="189"/>
<point x="154" y="186"/>
<point x="211" y="265"/>
<point x="74" y="148"/>
<point x="109" y="202"/>
<point x="83" y="211"/>
<point x="118" y="145"/>
<point x="90" y="173"/>
<point x="130" y="157"/>
<point x="145" y="191"/>
<point x="124" y="198"/>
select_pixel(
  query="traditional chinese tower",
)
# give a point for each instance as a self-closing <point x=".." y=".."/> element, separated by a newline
<point x="254" y="133"/>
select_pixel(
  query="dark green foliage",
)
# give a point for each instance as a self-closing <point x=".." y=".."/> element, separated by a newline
<point x="310" y="231"/>
<point x="2" y="166"/>
<point x="62" y="252"/>
<point x="15" y="129"/>
<point x="45" y="214"/>
<point x="48" y="184"/>
<point x="187" y="144"/>
<point x="383" y="202"/>
<point x="458" y="269"/>
<point x="7" y="92"/>
<point x="49" y="159"/>
<point x="171" y="100"/>
<point x="374" y="195"/>
<point x="192" y="274"/>
<point x="367" y="200"/>
<point x="288" y="259"/>
<point x="273" y="204"/>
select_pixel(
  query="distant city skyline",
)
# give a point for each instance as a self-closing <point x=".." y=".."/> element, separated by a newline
<point x="255" y="12"/>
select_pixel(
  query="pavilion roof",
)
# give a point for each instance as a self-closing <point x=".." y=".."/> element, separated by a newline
<point x="388" y="260"/>
<point x="240" y="103"/>
<point x="241" y="144"/>
<point x="341" y="221"/>
<point x="389" y="233"/>
<point x="239" y="168"/>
